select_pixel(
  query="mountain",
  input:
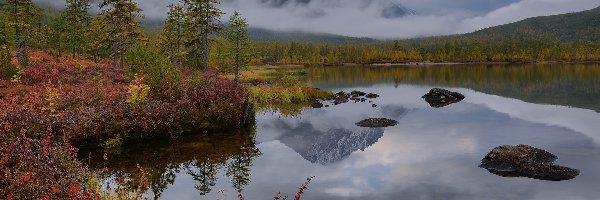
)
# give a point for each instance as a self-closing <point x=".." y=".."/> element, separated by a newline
<point x="262" y="34"/>
<point x="579" y="26"/>
<point x="328" y="147"/>
<point x="396" y="10"/>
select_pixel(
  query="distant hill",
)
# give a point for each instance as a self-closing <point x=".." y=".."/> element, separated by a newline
<point x="579" y="26"/>
<point x="261" y="34"/>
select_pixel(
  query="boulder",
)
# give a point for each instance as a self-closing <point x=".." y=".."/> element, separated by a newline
<point x="377" y="123"/>
<point x="526" y="161"/>
<point x="438" y="98"/>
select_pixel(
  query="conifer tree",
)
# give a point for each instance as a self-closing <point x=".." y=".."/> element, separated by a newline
<point x="24" y="14"/>
<point x="172" y="36"/>
<point x="77" y="20"/>
<point x="97" y="37"/>
<point x="7" y="69"/>
<point x="202" y="22"/>
<point x="123" y="25"/>
<point x="238" y="42"/>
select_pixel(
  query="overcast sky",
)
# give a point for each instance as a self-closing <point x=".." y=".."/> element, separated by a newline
<point x="364" y="17"/>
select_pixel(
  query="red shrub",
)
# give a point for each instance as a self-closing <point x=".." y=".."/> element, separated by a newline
<point x="63" y="94"/>
<point x="41" y="169"/>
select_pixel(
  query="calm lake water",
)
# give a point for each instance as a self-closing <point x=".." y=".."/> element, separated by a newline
<point x="433" y="153"/>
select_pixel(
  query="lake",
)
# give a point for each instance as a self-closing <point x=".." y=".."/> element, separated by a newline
<point x="433" y="153"/>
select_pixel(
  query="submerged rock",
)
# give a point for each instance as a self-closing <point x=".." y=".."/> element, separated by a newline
<point x="438" y="98"/>
<point x="372" y="96"/>
<point x="526" y="161"/>
<point x="316" y="104"/>
<point x="358" y="93"/>
<point x="341" y="97"/>
<point x="354" y="96"/>
<point x="377" y="123"/>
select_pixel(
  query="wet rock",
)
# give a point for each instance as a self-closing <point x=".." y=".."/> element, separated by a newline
<point x="438" y="98"/>
<point x="341" y="97"/>
<point x="316" y="104"/>
<point x="377" y="123"/>
<point x="354" y="96"/>
<point x="526" y="161"/>
<point x="358" y="93"/>
<point x="372" y="96"/>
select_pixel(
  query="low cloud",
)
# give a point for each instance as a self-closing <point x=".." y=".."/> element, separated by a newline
<point x="365" y="18"/>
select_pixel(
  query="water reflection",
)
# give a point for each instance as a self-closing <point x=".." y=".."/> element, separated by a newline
<point x="199" y="157"/>
<point x="327" y="147"/>
<point x="574" y="85"/>
<point x="431" y="154"/>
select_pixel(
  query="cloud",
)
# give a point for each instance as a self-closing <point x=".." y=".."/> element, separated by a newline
<point x="380" y="18"/>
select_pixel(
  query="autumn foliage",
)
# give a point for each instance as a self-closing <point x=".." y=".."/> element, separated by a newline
<point x="96" y="104"/>
<point x="59" y="101"/>
<point x="41" y="169"/>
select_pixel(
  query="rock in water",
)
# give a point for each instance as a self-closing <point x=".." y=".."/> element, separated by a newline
<point x="358" y="93"/>
<point x="438" y="98"/>
<point x="377" y="123"/>
<point x="372" y="96"/>
<point x="526" y="161"/>
<point x="316" y="104"/>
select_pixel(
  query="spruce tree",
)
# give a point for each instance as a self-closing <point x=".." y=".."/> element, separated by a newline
<point x="97" y="37"/>
<point x="172" y="36"/>
<point x="238" y="42"/>
<point x="202" y="22"/>
<point x="77" y="20"/>
<point x="24" y="14"/>
<point x="123" y="25"/>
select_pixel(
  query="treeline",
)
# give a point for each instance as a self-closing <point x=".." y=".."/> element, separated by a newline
<point x="191" y="28"/>
<point x="437" y="49"/>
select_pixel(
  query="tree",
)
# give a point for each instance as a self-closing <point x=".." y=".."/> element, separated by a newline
<point x="77" y="20"/>
<point x="202" y="22"/>
<point x="97" y="37"/>
<point x="7" y="69"/>
<point x="24" y="14"/>
<point x="172" y="36"/>
<point x="238" y="42"/>
<point x="123" y="25"/>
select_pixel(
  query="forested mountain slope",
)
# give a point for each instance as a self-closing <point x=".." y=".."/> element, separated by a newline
<point x="579" y="26"/>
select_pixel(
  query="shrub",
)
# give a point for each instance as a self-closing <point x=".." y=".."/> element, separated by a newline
<point x="42" y="169"/>
<point x="154" y="65"/>
<point x="97" y="107"/>
<point x="7" y="69"/>
<point x="138" y="91"/>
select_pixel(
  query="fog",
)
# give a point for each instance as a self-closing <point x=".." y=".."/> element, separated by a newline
<point x="382" y="19"/>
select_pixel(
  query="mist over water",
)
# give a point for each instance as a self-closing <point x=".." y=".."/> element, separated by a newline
<point x="378" y="18"/>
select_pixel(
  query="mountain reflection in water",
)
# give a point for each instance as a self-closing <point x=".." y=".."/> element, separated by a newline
<point x="432" y="153"/>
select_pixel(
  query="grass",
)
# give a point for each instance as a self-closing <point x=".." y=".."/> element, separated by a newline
<point x="281" y="90"/>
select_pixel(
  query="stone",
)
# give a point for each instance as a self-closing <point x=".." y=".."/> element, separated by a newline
<point x="438" y="98"/>
<point x="526" y="161"/>
<point x="372" y="96"/>
<point x="316" y="104"/>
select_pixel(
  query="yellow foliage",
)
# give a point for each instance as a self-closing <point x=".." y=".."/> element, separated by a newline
<point x="138" y="91"/>
<point x="51" y="97"/>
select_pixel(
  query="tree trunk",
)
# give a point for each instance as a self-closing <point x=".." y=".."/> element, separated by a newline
<point x="237" y="58"/>
<point x="116" y="54"/>
<point x="18" y="36"/>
